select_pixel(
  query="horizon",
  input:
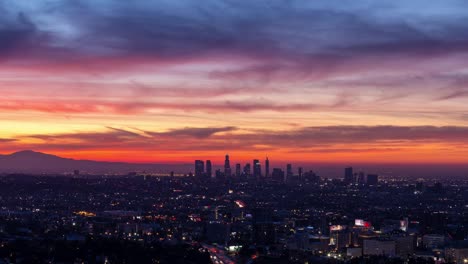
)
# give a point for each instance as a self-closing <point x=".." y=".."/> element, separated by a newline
<point x="329" y="170"/>
<point x="220" y="160"/>
<point x="299" y="81"/>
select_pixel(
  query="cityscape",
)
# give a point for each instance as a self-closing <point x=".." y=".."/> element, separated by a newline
<point x="247" y="213"/>
<point x="233" y="131"/>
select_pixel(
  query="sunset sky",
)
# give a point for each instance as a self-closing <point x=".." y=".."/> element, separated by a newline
<point x="174" y="81"/>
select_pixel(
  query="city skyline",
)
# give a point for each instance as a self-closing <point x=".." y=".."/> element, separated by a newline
<point x="309" y="82"/>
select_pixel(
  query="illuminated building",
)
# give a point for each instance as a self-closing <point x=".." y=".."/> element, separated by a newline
<point x="432" y="241"/>
<point x="339" y="237"/>
<point x="257" y="169"/>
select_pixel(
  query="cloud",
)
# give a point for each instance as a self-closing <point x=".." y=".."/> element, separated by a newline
<point x="133" y="107"/>
<point x="229" y="62"/>
<point x="7" y="140"/>
<point x="313" y="139"/>
<point x="310" y="136"/>
<point x="454" y="95"/>
<point x="237" y="51"/>
<point x="320" y="37"/>
<point x="197" y="132"/>
<point x="111" y="136"/>
<point x="22" y="32"/>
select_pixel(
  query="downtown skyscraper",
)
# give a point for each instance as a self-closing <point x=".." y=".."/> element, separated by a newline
<point x="227" y="167"/>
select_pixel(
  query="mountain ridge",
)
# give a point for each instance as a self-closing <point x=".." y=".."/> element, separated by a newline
<point x="30" y="161"/>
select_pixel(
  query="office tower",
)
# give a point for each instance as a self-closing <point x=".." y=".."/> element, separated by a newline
<point x="289" y="172"/>
<point x="277" y="174"/>
<point x="227" y="167"/>
<point x="372" y="179"/>
<point x="199" y="168"/>
<point x="209" y="171"/>
<point x="349" y="176"/>
<point x="361" y="179"/>
<point x="238" y="170"/>
<point x="300" y="172"/>
<point x="219" y="175"/>
<point x="257" y="169"/>
<point x="247" y="169"/>
<point x="267" y="168"/>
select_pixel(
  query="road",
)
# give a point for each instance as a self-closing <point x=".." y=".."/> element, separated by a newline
<point x="218" y="256"/>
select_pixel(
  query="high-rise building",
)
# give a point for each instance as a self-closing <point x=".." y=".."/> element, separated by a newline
<point x="300" y="172"/>
<point x="227" y="167"/>
<point x="289" y="171"/>
<point x="257" y="169"/>
<point x="219" y="175"/>
<point x="199" y="168"/>
<point x="278" y="174"/>
<point x="209" y="171"/>
<point x="361" y="179"/>
<point x="238" y="170"/>
<point x="247" y="169"/>
<point x="348" y="175"/>
<point x="267" y="167"/>
<point x="372" y="179"/>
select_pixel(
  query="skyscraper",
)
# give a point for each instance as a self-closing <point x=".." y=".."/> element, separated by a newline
<point x="300" y="172"/>
<point x="257" y="169"/>
<point x="289" y="171"/>
<point x="199" y="168"/>
<point x="349" y="176"/>
<point x="247" y="169"/>
<point x="267" y="167"/>
<point x="361" y="179"/>
<point x="278" y="174"/>
<point x="209" y="171"/>
<point x="227" y="167"/>
<point x="219" y="175"/>
<point x="238" y="170"/>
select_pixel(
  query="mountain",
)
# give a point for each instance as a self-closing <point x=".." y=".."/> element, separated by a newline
<point x="29" y="161"/>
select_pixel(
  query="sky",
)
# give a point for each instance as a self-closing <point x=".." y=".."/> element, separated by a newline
<point x="173" y="81"/>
